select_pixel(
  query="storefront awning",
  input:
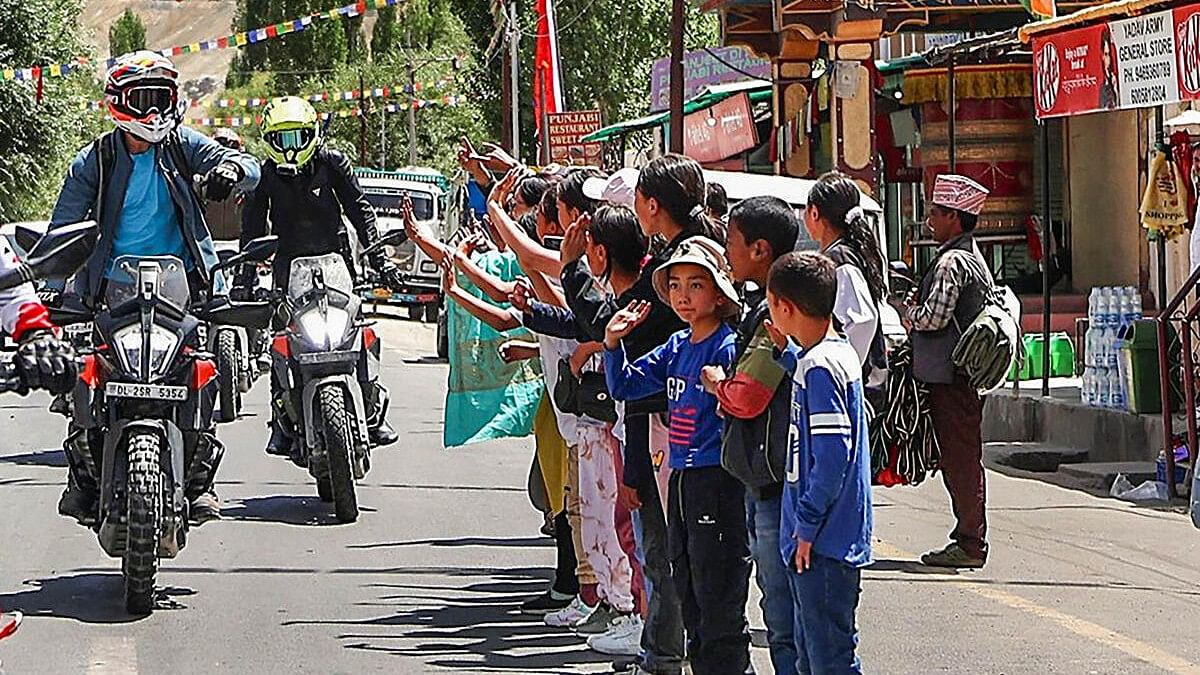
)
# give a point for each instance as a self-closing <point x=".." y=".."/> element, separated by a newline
<point x="758" y="91"/>
<point x="1108" y="10"/>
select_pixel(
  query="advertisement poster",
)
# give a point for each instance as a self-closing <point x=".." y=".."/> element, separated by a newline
<point x="1132" y="63"/>
<point x="1145" y="47"/>
<point x="566" y="130"/>
<point x="701" y="69"/>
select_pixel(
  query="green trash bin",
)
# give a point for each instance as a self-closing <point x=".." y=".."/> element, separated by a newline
<point x="1137" y="365"/>
<point x="1034" y="345"/>
<point x="1062" y="355"/>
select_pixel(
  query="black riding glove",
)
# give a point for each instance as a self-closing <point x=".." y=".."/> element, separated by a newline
<point x="219" y="182"/>
<point x="244" y="284"/>
<point x="387" y="274"/>
<point x="45" y="362"/>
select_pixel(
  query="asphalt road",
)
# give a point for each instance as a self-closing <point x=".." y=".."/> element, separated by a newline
<point x="447" y="545"/>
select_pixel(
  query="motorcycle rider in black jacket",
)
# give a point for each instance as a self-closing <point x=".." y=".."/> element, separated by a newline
<point x="304" y="191"/>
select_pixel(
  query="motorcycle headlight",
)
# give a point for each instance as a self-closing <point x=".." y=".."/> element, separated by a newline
<point x="128" y="342"/>
<point x="324" y="328"/>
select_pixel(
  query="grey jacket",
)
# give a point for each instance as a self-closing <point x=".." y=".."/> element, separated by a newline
<point x="81" y="199"/>
<point x="933" y="350"/>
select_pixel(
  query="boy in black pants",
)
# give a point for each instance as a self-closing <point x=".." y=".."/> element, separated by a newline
<point x="706" y="514"/>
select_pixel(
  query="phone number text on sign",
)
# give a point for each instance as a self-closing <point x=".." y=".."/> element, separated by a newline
<point x="1145" y="48"/>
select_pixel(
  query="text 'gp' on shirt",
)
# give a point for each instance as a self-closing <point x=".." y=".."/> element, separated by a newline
<point x="674" y="367"/>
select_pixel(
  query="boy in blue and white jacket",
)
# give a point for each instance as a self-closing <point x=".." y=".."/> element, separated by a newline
<point x="825" y="532"/>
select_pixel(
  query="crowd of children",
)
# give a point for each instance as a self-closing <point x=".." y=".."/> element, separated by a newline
<point x="705" y="406"/>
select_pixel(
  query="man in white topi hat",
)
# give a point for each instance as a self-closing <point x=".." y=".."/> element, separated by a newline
<point x="949" y="297"/>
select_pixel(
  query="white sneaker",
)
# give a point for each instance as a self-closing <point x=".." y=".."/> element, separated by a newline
<point x="624" y="637"/>
<point x="573" y="613"/>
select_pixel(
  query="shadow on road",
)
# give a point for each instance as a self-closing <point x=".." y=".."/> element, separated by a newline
<point x="517" y="542"/>
<point x="474" y="628"/>
<point x="282" y="509"/>
<point x="93" y="597"/>
<point x="54" y="457"/>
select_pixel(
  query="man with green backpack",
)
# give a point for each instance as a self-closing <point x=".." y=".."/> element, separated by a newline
<point x="951" y="295"/>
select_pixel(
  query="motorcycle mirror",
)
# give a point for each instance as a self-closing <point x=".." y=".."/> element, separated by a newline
<point x="58" y="253"/>
<point x="393" y="238"/>
<point x="261" y="248"/>
<point x="28" y="234"/>
<point x="256" y="250"/>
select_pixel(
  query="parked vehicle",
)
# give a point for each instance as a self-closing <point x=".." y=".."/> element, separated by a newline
<point x="421" y="292"/>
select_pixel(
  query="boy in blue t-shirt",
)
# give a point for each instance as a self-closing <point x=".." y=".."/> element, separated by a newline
<point x="825" y="532"/>
<point x="706" y="513"/>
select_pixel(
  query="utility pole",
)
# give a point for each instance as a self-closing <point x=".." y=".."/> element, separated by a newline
<point x="678" y="26"/>
<point x="412" y="100"/>
<point x="514" y="38"/>
<point x="362" y="122"/>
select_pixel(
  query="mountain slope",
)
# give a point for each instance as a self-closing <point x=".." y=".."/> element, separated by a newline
<point x="168" y="24"/>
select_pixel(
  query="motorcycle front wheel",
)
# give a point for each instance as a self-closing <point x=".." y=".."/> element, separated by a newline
<point x="140" y="564"/>
<point x="229" y="367"/>
<point x="339" y="447"/>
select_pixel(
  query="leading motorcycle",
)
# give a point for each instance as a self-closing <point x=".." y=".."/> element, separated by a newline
<point x="145" y="400"/>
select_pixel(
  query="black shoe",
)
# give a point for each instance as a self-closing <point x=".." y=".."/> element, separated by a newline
<point x="383" y="434"/>
<point x="280" y="443"/>
<point x="79" y="503"/>
<point x="545" y="603"/>
<point x="204" y="508"/>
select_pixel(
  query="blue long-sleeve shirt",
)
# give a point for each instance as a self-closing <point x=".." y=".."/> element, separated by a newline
<point x="827" y="495"/>
<point x="674" y="367"/>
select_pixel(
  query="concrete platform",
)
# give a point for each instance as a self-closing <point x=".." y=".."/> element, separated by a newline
<point x="1062" y="421"/>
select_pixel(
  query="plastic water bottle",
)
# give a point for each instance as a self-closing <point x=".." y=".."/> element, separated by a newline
<point x="1135" y="304"/>
<point x="1124" y="306"/>
<point x="1116" y="392"/>
<point x="1108" y="338"/>
<point x="1102" y="390"/>
<point x="1111" y="307"/>
<point x="1087" y="389"/>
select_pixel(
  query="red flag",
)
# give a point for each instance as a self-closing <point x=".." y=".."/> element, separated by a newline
<point x="547" y="90"/>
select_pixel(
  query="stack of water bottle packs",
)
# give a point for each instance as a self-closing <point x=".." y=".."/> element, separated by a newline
<point x="1111" y="312"/>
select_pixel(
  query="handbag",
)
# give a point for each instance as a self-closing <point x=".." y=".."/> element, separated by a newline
<point x="586" y="396"/>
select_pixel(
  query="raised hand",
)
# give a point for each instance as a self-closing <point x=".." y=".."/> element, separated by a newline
<point x="574" y="243"/>
<point x="777" y="336"/>
<point x="522" y="294"/>
<point x="624" y="321"/>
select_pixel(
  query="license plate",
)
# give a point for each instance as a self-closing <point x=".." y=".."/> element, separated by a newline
<point x="154" y="392"/>
<point x="78" y="329"/>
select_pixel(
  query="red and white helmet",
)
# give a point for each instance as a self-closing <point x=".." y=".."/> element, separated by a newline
<point x="142" y="92"/>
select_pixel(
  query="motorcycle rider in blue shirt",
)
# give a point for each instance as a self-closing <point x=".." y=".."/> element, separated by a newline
<point x="139" y="183"/>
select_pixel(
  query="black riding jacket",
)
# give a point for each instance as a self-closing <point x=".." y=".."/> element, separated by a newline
<point x="305" y="210"/>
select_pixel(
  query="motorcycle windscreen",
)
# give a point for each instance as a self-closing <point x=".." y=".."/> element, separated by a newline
<point x="331" y="267"/>
<point x="166" y="273"/>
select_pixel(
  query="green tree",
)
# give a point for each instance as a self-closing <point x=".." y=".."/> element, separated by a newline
<point x="436" y="33"/>
<point x="126" y="34"/>
<point x="606" y="48"/>
<point x="38" y="139"/>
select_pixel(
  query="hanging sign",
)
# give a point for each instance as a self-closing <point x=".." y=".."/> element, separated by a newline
<point x="566" y="131"/>
<point x="1132" y="63"/>
<point x="721" y="131"/>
